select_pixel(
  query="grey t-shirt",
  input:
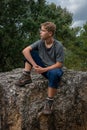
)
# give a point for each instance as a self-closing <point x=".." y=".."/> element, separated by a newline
<point x="51" y="55"/>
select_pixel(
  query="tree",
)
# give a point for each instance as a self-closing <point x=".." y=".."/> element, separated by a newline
<point x="12" y="14"/>
<point x="19" y="24"/>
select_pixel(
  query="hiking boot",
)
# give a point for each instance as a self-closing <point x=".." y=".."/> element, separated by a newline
<point x="23" y="80"/>
<point x="48" y="107"/>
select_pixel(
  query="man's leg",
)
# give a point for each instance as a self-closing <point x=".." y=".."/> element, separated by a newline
<point x="51" y="92"/>
<point x="54" y="79"/>
<point x="27" y="67"/>
<point x="26" y="78"/>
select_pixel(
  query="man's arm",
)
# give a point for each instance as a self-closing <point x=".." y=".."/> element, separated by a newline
<point x="42" y="70"/>
<point x="54" y="66"/>
<point x="26" y="53"/>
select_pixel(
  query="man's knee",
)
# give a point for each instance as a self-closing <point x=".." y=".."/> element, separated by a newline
<point x="59" y="72"/>
<point x="55" y="73"/>
<point x="33" y="54"/>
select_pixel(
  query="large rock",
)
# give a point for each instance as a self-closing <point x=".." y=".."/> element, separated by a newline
<point x="20" y="107"/>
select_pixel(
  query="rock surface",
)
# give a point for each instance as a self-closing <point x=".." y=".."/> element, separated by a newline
<point x="19" y="107"/>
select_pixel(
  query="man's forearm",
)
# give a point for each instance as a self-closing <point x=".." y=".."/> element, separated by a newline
<point x="28" y="56"/>
<point x="57" y="65"/>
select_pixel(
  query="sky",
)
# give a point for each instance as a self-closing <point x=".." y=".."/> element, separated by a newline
<point x="77" y="7"/>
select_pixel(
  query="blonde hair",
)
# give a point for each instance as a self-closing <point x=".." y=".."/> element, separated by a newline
<point x="49" y="26"/>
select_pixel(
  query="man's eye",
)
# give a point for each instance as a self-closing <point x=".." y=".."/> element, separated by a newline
<point x="41" y="30"/>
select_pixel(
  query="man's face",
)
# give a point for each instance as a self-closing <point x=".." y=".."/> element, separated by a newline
<point x="44" y="34"/>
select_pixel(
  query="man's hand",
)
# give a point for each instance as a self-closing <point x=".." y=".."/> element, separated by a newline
<point x="39" y="69"/>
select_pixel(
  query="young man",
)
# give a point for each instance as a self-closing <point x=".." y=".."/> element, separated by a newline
<point x="46" y="56"/>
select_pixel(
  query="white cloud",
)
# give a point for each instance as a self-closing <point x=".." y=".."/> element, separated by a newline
<point x="77" y="7"/>
<point x="78" y="23"/>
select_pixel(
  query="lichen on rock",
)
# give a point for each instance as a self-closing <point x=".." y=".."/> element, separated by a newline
<point x="19" y="106"/>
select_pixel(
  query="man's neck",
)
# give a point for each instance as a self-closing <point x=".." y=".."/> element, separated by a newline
<point x="49" y="42"/>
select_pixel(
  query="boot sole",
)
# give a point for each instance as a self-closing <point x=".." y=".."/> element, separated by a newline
<point x="21" y="85"/>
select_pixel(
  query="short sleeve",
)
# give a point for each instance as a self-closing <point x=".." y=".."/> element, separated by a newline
<point x="35" y="45"/>
<point x="60" y="54"/>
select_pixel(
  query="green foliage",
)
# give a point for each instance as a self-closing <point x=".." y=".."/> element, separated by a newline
<point x="11" y="36"/>
<point x="76" y="61"/>
<point x="76" y="56"/>
<point x="19" y="26"/>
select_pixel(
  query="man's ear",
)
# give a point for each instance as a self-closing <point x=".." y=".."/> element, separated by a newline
<point x="50" y="33"/>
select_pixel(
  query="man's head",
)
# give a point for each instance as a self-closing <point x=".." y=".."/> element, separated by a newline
<point x="49" y="26"/>
<point x="47" y="30"/>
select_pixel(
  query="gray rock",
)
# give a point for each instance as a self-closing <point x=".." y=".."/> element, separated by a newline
<point x="20" y="107"/>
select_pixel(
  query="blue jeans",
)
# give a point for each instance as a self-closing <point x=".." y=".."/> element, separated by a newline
<point x="53" y="75"/>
